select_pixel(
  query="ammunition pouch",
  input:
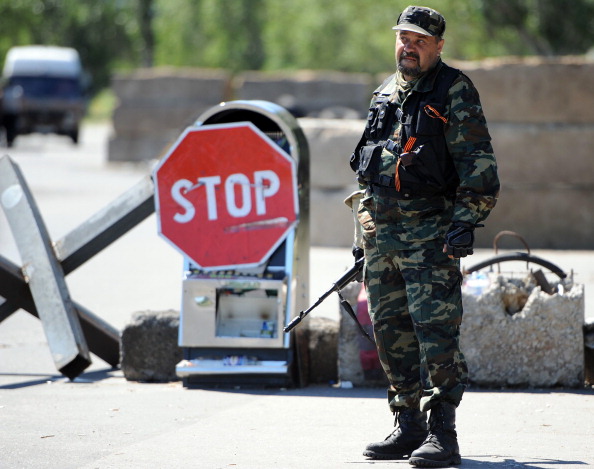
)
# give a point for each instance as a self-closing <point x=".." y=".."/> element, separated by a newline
<point x="369" y="161"/>
<point x="380" y="119"/>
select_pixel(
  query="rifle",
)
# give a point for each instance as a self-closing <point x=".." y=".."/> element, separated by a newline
<point x="337" y="286"/>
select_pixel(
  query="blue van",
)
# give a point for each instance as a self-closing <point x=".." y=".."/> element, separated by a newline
<point x="42" y="91"/>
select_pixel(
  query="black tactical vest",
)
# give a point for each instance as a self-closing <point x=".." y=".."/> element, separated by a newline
<point x="427" y="170"/>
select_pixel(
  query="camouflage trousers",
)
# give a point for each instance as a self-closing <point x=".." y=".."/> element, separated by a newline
<point x="415" y="304"/>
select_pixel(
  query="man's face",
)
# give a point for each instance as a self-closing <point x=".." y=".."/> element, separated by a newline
<point x="416" y="53"/>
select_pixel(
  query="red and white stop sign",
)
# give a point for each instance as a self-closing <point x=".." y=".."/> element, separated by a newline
<point x="226" y="195"/>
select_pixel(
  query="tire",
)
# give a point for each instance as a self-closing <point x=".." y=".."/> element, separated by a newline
<point x="74" y="136"/>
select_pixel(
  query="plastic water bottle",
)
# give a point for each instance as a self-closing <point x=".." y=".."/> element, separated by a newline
<point x="267" y="329"/>
<point x="476" y="283"/>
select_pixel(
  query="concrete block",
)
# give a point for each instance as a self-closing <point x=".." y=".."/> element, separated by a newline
<point x="149" y="350"/>
<point x="542" y="345"/>
<point x="170" y="87"/>
<point x="544" y="154"/>
<point x="153" y="120"/>
<point x="534" y="90"/>
<point x="155" y="103"/>
<point x="308" y="93"/>
<point x="322" y="339"/>
<point x="331" y="143"/>
<point x="349" y="363"/>
<point x="547" y="217"/>
<point x="331" y="221"/>
<point x="133" y="148"/>
<point x="351" y="345"/>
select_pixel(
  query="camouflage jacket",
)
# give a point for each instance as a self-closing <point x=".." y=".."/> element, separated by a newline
<point x="391" y="222"/>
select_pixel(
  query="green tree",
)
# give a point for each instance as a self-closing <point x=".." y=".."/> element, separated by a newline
<point x="210" y="33"/>
<point x="146" y="13"/>
<point x="104" y="33"/>
<point x="281" y="34"/>
<point x="541" y="27"/>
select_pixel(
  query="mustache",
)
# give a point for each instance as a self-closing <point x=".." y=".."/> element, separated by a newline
<point x="413" y="55"/>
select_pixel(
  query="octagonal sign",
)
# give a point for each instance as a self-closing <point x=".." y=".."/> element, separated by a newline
<point x="226" y="195"/>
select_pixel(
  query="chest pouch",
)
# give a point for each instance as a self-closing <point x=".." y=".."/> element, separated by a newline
<point x="369" y="161"/>
<point x="380" y="119"/>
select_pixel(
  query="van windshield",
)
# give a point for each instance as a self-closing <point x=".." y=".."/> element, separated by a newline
<point x="48" y="87"/>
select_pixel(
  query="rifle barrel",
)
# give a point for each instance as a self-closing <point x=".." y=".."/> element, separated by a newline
<point x="338" y="285"/>
<point x="296" y="320"/>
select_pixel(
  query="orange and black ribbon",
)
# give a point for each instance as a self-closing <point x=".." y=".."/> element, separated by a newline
<point x="432" y="112"/>
<point x="407" y="147"/>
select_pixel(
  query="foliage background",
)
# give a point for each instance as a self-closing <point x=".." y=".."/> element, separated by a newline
<point x="344" y="35"/>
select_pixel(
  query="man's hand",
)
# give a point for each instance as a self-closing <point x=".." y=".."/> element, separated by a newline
<point x="459" y="240"/>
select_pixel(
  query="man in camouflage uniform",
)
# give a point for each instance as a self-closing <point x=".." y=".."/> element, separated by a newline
<point x="428" y="177"/>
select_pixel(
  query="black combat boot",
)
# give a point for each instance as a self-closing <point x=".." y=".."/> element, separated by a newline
<point x="440" y="449"/>
<point x="409" y="433"/>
